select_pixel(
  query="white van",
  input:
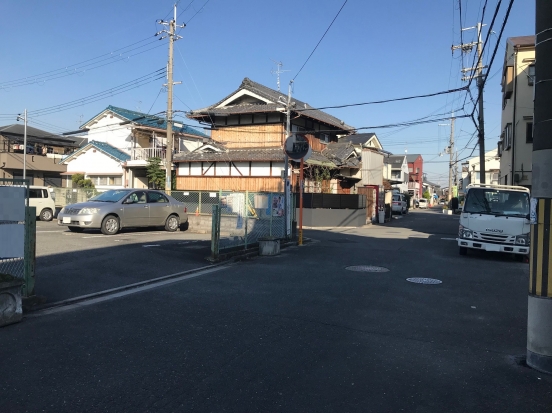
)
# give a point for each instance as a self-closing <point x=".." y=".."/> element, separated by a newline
<point x="42" y="199"/>
<point x="495" y="218"/>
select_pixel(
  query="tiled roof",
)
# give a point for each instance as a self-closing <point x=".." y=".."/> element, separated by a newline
<point x="103" y="147"/>
<point x="232" y="155"/>
<point x="16" y="132"/>
<point x="412" y="158"/>
<point x="342" y="154"/>
<point x="150" y="121"/>
<point x="522" y="40"/>
<point x="273" y="96"/>
<point x="358" y="138"/>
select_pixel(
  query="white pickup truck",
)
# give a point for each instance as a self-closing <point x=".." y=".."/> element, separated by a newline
<point x="495" y="218"/>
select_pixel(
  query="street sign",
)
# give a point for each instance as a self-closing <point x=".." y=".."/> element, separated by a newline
<point x="297" y="147"/>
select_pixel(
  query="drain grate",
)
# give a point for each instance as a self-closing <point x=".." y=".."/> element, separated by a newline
<point x="424" y="280"/>
<point x="366" y="268"/>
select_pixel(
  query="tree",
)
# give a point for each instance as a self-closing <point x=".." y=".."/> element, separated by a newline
<point x="426" y="195"/>
<point x="80" y="182"/>
<point x="154" y="172"/>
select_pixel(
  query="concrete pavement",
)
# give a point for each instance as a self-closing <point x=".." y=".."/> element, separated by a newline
<point x="294" y="333"/>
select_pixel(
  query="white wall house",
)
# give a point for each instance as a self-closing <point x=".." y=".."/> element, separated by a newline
<point x="141" y="137"/>
<point x="473" y="173"/>
<point x="100" y="162"/>
<point x="398" y="172"/>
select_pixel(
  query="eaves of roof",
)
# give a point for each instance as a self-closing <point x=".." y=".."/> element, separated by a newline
<point x="232" y="155"/>
<point x="16" y="132"/>
<point x="272" y="96"/>
<point x="103" y="147"/>
<point x="145" y="119"/>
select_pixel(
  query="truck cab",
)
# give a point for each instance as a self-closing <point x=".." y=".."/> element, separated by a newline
<point x="495" y="218"/>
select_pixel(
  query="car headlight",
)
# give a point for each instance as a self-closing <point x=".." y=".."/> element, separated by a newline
<point x="524" y="239"/>
<point x="89" y="211"/>
<point x="465" y="233"/>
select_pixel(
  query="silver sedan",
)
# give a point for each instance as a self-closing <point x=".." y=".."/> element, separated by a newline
<point x="120" y="208"/>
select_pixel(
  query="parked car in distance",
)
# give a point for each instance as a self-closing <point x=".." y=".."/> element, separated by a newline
<point x="42" y="199"/>
<point x="442" y="202"/>
<point x="398" y="204"/>
<point x="115" y="209"/>
<point x="422" y="203"/>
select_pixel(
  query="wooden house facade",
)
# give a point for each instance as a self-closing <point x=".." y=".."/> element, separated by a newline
<point x="247" y="140"/>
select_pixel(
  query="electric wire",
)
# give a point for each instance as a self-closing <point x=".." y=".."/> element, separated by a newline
<point x="315" y="47"/>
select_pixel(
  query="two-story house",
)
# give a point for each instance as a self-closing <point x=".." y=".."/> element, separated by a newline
<point x="248" y="132"/>
<point x="397" y="172"/>
<point x="416" y="175"/>
<point x="44" y="152"/>
<point x="121" y="142"/>
<point x="515" y="147"/>
<point x="472" y="173"/>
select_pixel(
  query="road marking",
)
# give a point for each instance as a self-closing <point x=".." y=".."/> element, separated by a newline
<point x="59" y="230"/>
<point x="107" y="295"/>
<point x="151" y="245"/>
<point x="94" y="236"/>
<point x="449" y="239"/>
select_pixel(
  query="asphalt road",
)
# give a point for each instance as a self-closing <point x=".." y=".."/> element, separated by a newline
<point x="73" y="264"/>
<point x="294" y="333"/>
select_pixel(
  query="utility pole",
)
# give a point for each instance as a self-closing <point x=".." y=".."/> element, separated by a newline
<point x="466" y="48"/>
<point x="24" y="119"/>
<point x="172" y="38"/>
<point x="451" y="155"/>
<point x="287" y="193"/>
<point x="539" y="329"/>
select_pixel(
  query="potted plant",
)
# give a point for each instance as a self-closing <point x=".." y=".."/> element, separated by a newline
<point x="11" y="310"/>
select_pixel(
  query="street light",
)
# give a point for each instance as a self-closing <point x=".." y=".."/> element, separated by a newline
<point x="24" y="118"/>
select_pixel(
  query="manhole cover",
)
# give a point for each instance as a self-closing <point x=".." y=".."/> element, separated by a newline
<point x="366" y="268"/>
<point x="424" y="280"/>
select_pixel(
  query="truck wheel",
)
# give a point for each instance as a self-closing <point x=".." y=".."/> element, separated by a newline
<point x="110" y="225"/>
<point x="463" y="251"/>
<point x="46" y="215"/>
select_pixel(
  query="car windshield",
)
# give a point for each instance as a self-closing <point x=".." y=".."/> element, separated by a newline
<point x="491" y="201"/>
<point x="113" y="195"/>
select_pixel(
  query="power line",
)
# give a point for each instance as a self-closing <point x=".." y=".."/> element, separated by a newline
<point x="150" y="77"/>
<point x="77" y="68"/>
<point x="383" y="101"/>
<point x="345" y="2"/>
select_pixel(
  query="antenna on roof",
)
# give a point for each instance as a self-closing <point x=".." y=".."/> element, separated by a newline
<point x="277" y="72"/>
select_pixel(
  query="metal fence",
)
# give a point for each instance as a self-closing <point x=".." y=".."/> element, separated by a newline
<point x="67" y="196"/>
<point x="14" y="261"/>
<point x="242" y="218"/>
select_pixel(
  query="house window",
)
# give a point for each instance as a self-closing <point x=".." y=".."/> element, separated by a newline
<point x="417" y="170"/>
<point x="324" y="138"/>
<point x="531" y="75"/>
<point x="500" y="146"/>
<point x="508" y="136"/>
<point x="529" y="132"/>
<point x="106" y="180"/>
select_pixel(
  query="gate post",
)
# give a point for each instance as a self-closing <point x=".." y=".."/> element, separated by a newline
<point x="215" y="232"/>
<point x="30" y="251"/>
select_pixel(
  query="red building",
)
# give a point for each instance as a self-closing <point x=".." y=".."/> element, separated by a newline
<point x="416" y="175"/>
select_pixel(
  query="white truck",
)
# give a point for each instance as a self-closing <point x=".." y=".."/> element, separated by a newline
<point x="495" y="218"/>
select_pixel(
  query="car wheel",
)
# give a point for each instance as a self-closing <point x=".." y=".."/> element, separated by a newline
<point x="75" y="229"/>
<point x="463" y="251"/>
<point x="46" y="215"/>
<point x="172" y="223"/>
<point x="110" y="225"/>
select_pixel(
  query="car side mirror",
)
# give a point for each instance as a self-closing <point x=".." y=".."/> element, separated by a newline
<point x="127" y="201"/>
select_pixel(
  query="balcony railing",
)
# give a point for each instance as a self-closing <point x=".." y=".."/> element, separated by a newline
<point x="143" y="154"/>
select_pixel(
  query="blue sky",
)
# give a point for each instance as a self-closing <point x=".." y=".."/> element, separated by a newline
<point x="375" y="50"/>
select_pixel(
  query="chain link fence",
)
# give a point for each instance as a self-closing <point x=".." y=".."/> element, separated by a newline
<point x="246" y="217"/>
<point x="66" y="196"/>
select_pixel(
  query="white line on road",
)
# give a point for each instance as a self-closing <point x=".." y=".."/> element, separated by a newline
<point x="449" y="239"/>
<point x="107" y="297"/>
<point x="151" y="245"/>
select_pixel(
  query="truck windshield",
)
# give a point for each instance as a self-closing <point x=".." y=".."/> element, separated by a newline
<point x="497" y="202"/>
